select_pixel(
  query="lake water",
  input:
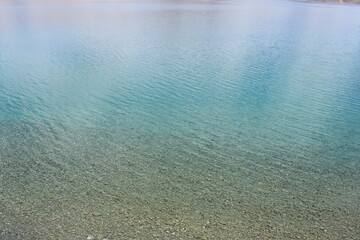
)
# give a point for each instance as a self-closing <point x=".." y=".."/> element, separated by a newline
<point x="179" y="120"/>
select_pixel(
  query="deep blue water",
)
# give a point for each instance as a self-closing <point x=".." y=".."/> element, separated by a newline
<point x="245" y="113"/>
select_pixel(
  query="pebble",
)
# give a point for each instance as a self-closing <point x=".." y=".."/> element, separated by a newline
<point x="90" y="237"/>
<point x="96" y="214"/>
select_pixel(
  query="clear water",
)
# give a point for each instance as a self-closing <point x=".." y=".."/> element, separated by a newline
<point x="179" y="120"/>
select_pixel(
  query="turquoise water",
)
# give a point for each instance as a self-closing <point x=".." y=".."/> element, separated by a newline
<point x="179" y="120"/>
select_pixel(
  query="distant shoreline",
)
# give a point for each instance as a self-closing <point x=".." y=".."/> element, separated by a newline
<point x="356" y="2"/>
<point x="347" y="2"/>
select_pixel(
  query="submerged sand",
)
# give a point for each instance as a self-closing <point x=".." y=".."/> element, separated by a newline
<point x="131" y="190"/>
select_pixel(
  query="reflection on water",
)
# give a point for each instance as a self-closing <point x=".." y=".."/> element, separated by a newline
<point x="170" y="120"/>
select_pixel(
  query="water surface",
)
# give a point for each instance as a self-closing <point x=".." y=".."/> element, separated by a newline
<point x="179" y="120"/>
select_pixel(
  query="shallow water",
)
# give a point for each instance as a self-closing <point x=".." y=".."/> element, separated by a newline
<point x="179" y="120"/>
